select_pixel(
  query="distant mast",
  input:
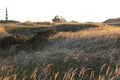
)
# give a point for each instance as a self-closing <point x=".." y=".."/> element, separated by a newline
<point x="6" y="15"/>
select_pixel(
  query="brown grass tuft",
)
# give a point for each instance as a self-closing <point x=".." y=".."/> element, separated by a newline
<point x="2" y="29"/>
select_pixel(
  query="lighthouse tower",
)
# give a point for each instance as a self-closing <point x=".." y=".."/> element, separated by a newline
<point x="6" y="15"/>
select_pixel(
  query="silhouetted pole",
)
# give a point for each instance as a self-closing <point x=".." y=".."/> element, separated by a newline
<point x="6" y="17"/>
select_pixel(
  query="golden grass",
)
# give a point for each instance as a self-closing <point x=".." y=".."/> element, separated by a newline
<point x="71" y="74"/>
<point x="99" y="31"/>
<point x="93" y="47"/>
<point x="2" y="29"/>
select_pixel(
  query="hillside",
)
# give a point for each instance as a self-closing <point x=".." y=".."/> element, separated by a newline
<point x="79" y="50"/>
<point x="112" y="20"/>
<point x="115" y="21"/>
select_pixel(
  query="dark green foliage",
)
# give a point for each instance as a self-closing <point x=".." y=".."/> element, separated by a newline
<point x="40" y="37"/>
<point x="74" y="27"/>
<point x="28" y="23"/>
<point x="28" y="31"/>
<point x="7" y="42"/>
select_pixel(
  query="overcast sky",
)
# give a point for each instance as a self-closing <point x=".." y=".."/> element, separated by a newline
<point x="45" y="10"/>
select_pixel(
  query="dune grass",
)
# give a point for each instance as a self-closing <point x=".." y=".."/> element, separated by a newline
<point x="92" y="53"/>
<point x="58" y="70"/>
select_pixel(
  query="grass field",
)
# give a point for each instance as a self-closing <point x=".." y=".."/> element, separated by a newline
<point x="76" y="51"/>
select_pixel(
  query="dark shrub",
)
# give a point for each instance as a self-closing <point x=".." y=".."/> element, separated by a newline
<point x="8" y="41"/>
<point x="74" y="27"/>
<point x="40" y="37"/>
<point x="29" y="23"/>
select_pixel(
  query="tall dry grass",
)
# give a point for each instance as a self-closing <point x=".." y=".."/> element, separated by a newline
<point x="47" y="72"/>
<point x="2" y="29"/>
<point x="3" y="32"/>
<point x="89" y="54"/>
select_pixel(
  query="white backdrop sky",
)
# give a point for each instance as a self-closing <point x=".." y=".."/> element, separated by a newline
<point x="45" y="10"/>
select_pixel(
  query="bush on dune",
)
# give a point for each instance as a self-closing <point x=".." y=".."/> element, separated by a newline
<point x="29" y="23"/>
<point x="8" y="41"/>
<point x="74" y="27"/>
<point x="40" y="37"/>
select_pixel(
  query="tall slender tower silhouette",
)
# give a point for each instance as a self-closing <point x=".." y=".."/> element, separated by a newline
<point x="6" y="15"/>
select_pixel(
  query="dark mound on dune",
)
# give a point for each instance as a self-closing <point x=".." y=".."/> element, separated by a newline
<point x="38" y="38"/>
<point x="115" y="20"/>
<point x="74" y="27"/>
<point x="8" y="41"/>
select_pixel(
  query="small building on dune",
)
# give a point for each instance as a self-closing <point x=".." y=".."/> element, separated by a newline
<point x="58" y="19"/>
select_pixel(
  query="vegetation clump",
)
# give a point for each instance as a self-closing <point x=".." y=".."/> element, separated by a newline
<point x="40" y="37"/>
<point x="74" y="27"/>
<point x="15" y="39"/>
<point x="29" y="23"/>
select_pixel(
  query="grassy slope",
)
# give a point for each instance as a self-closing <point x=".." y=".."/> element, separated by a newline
<point x="89" y="48"/>
<point x="115" y="22"/>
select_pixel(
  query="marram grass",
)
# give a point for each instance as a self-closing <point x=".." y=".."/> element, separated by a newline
<point x="11" y="72"/>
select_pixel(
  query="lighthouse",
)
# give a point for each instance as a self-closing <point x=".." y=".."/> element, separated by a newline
<point x="6" y="15"/>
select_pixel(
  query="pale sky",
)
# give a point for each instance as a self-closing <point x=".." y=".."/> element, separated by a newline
<point x="45" y="10"/>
